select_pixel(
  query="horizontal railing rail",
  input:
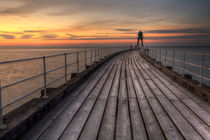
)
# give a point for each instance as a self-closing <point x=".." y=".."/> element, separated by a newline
<point x="69" y="63"/>
<point x="178" y="60"/>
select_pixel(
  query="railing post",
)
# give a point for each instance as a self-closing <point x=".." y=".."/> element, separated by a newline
<point x="155" y="54"/>
<point x="160" y="55"/>
<point x="183" y="65"/>
<point x="85" y="58"/>
<point x="105" y="51"/>
<point x="2" y="125"/>
<point x="91" y="56"/>
<point x="201" y="69"/>
<point x="45" y="78"/>
<point x="65" y="61"/>
<point x="101" y="53"/>
<point x="95" y="55"/>
<point x="77" y="62"/>
<point x="173" y="57"/>
<point x="165" y="56"/>
<point x="151" y="53"/>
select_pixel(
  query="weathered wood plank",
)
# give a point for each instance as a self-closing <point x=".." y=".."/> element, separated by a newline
<point x="59" y="125"/>
<point x="151" y="123"/>
<point x="91" y="128"/>
<point x="40" y="127"/>
<point x="107" y="129"/>
<point x="74" y="128"/>
<point x="195" y="107"/>
<point x="183" y="92"/>
<point x="180" y="121"/>
<point x="193" y="117"/>
<point x="169" y="129"/>
<point x="123" y="126"/>
<point x="138" y="128"/>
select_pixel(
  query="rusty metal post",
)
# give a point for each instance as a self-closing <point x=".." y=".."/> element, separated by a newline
<point x="160" y="55"/>
<point x="173" y="57"/>
<point x="91" y="56"/>
<point x="77" y="62"/>
<point x="65" y="61"/>
<point x="85" y="58"/>
<point x="155" y="54"/>
<point x="201" y="69"/>
<point x="101" y="53"/>
<point x="183" y="65"/>
<point x="2" y="125"/>
<point x="45" y="78"/>
<point x="95" y="55"/>
<point x="165" y="56"/>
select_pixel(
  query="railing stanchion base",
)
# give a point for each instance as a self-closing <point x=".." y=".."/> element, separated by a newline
<point x="3" y="126"/>
<point x="45" y="96"/>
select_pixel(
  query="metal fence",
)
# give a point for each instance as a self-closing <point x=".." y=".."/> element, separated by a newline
<point x="25" y="79"/>
<point x="194" y="64"/>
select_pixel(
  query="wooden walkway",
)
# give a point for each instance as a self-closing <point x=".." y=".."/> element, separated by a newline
<point x="127" y="99"/>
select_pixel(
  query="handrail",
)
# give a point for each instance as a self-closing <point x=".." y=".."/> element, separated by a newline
<point x="89" y="56"/>
<point x="158" y="55"/>
<point x="47" y="56"/>
<point x="196" y="65"/>
<point x="179" y="51"/>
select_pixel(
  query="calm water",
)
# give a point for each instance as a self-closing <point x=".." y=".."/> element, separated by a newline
<point x="13" y="72"/>
<point x="18" y="71"/>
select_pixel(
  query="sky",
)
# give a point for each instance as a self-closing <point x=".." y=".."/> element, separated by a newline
<point x="104" y="22"/>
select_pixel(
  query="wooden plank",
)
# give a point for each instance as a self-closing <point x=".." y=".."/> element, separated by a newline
<point x="123" y="128"/>
<point x="185" y="93"/>
<point x="193" y="117"/>
<point x="59" y="125"/>
<point x="40" y="127"/>
<point x="91" y="128"/>
<point x="138" y="128"/>
<point x="203" y="114"/>
<point x="199" y="125"/>
<point x="107" y="129"/>
<point x="182" y="124"/>
<point x="151" y="123"/>
<point x="194" y="106"/>
<point x="169" y="129"/>
<point x="76" y="125"/>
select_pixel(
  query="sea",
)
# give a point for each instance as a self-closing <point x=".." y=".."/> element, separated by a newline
<point x="14" y="73"/>
<point x="18" y="71"/>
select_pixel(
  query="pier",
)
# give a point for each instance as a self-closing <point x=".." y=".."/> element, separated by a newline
<point x="125" y="98"/>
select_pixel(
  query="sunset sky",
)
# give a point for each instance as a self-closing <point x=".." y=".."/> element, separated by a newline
<point x="109" y="22"/>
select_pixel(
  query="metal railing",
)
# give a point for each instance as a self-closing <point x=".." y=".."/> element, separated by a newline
<point x="195" y="64"/>
<point x="40" y="73"/>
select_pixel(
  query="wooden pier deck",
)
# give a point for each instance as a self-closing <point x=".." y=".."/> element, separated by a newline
<point x="126" y="98"/>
